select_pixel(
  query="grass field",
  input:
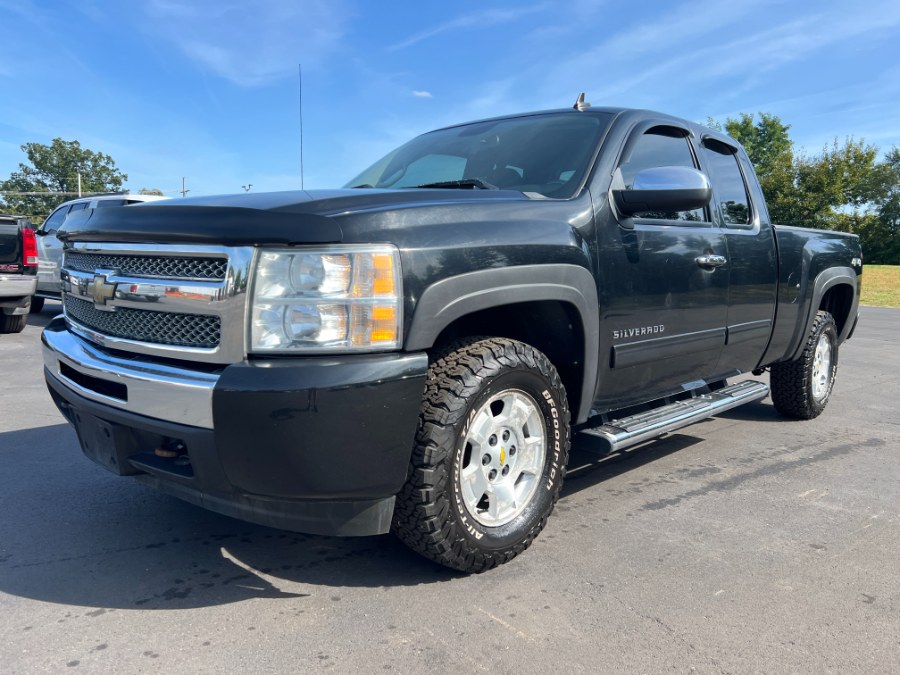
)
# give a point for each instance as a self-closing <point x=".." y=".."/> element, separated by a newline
<point x="881" y="285"/>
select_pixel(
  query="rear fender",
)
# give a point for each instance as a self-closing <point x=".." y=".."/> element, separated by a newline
<point x="825" y="281"/>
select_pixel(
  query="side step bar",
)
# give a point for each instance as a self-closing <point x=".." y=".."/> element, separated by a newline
<point x="628" y="431"/>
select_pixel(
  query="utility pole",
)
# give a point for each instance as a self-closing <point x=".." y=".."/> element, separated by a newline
<point x="79" y="183"/>
<point x="183" y="190"/>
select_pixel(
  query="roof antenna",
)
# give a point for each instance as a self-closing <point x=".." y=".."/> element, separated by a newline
<point x="581" y="104"/>
<point x="300" y="75"/>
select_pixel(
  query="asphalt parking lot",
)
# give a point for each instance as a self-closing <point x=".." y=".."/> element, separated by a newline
<point x="742" y="544"/>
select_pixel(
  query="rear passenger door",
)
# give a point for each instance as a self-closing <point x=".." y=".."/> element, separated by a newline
<point x="752" y="267"/>
<point x="663" y="312"/>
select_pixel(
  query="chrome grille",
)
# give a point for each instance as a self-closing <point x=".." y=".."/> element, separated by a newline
<point x="164" y="328"/>
<point x="176" y="301"/>
<point x="155" y="267"/>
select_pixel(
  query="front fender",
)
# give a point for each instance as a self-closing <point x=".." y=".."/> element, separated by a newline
<point x="450" y="299"/>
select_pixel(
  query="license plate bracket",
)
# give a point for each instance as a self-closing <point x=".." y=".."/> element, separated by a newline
<point x="105" y="443"/>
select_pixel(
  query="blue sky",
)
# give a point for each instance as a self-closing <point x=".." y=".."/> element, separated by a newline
<point x="209" y="89"/>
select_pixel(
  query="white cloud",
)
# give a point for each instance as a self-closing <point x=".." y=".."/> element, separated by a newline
<point x="422" y="94"/>
<point x="250" y="45"/>
<point x="485" y="19"/>
<point x="733" y="48"/>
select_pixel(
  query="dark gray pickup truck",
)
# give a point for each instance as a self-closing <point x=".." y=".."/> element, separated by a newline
<point x="18" y="270"/>
<point x="413" y="352"/>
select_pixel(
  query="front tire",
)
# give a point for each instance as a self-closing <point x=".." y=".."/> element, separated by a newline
<point x="490" y="456"/>
<point x="801" y="388"/>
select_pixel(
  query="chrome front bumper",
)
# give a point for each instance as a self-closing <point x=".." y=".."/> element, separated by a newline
<point x="154" y="390"/>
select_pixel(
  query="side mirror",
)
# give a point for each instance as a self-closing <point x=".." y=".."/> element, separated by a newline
<point x="664" y="189"/>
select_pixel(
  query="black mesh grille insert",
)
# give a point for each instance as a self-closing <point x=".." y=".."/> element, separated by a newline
<point x="159" y="267"/>
<point x="185" y="330"/>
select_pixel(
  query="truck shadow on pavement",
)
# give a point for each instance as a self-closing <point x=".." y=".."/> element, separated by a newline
<point x="590" y="463"/>
<point x="73" y="534"/>
<point x="758" y="411"/>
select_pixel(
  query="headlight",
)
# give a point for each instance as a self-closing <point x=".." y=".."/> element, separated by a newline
<point x="326" y="299"/>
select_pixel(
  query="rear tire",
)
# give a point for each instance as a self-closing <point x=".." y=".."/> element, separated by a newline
<point x="37" y="304"/>
<point x="12" y="324"/>
<point x="490" y="456"/>
<point x="801" y="388"/>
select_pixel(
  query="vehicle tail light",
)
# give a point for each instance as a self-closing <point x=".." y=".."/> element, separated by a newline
<point x="29" y="246"/>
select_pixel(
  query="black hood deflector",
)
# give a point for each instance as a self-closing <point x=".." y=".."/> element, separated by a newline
<point x="174" y="224"/>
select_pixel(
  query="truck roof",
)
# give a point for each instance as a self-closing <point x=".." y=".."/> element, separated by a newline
<point x="637" y="114"/>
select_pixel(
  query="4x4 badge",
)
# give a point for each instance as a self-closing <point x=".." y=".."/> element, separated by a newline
<point x="101" y="291"/>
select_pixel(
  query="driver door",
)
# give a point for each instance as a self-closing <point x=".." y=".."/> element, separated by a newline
<point x="662" y="310"/>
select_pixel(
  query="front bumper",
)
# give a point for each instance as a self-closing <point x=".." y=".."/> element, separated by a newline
<point x="318" y="445"/>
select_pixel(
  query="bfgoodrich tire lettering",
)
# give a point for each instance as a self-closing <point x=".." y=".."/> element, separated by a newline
<point x="801" y="388"/>
<point x="439" y="514"/>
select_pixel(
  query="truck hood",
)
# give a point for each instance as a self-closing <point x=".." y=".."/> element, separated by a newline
<point x="297" y="217"/>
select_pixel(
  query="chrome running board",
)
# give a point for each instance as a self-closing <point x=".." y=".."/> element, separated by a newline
<point x="627" y="431"/>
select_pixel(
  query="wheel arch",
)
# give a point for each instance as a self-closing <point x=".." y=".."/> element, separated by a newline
<point x="551" y="307"/>
<point x="836" y="291"/>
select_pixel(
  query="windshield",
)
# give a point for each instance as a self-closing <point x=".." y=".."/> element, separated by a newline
<point x="545" y="154"/>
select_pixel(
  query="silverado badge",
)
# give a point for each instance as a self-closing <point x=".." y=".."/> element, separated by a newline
<point x="641" y="331"/>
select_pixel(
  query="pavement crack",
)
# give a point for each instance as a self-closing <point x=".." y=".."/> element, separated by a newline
<point x="674" y="634"/>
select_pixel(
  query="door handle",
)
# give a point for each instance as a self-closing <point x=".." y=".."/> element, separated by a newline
<point x="710" y="260"/>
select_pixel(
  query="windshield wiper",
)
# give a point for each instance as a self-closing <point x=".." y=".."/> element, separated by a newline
<point x="464" y="184"/>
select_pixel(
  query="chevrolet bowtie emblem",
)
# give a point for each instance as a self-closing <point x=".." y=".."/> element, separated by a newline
<point x="101" y="290"/>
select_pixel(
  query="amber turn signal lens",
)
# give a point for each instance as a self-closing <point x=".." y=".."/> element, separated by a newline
<point x="384" y="274"/>
<point x="384" y="324"/>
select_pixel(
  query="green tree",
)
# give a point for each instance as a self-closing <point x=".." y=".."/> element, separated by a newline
<point x="767" y="142"/>
<point x="54" y="169"/>
<point x="881" y="244"/>
<point x="838" y="180"/>
<point x="800" y="189"/>
<point x="150" y="191"/>
<point x="770" y="148"/>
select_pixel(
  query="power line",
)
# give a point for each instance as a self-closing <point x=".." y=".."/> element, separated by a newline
<point x="54" y="193"/>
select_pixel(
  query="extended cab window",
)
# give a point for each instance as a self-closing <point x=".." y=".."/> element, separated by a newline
<point x="56" y="219"/>
<point x="661" y="146"/>
<point x="727" y="182"/>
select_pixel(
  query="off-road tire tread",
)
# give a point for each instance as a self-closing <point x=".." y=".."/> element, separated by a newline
<point x="421" y="516"/>
<point x="789" y="379"/>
